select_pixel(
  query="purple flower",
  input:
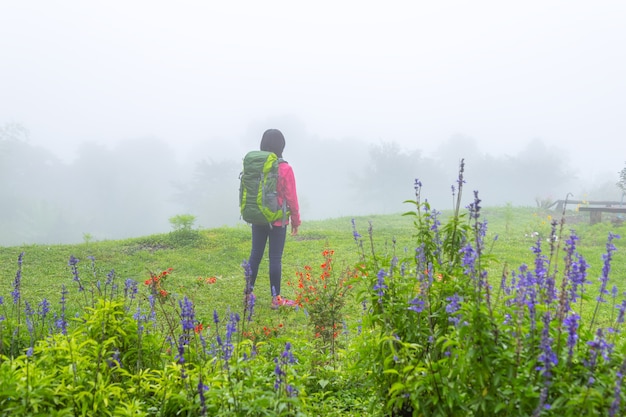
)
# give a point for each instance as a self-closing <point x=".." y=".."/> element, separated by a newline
<point x="577" y="276"/>
<point x="44" y="309"/>
<point x="543" y="280"/>
<point x="278" y="371"/>
<point x="216" y="318"/>
<point x="417" y="185"/>
<point x="575" y="269"/>
<point x="420" y="257"/>
<point x="249" y="307"/>
<point x="28" y="311"/>
<point x="152" y="302"/>
<point x="247" y="271"/>
<point x="187" y="315"/>
<point x="110" y="277"/>
<point x="180" y="357"/>
<point x="286" y="358"/>
<point x="598" y="347"/>
<point x="72" y="263"/>
<point x="526" y="291"/>
<point x="287" y="355"/>
<point x="571" y="325"/>
<point x="61" y="323"/>
<point x="231" y="328"/>
<point x="460" y="181"/>
<point x="201" y="390"/>
<point x="474" y="207"/>
<point x="355" y="234"/>
<point x="115" y="359"/>
<point x="547" y="358"/>
<point x="434" y="220"/>
<point x="17" y="283"/>
<point x="181" y="351"/>
<point x="140" y="318"/>
<point x="417" y="304"/>
<point x="380" y="285"/>
<point x="606" y="268"/>
<point x="469" y="260"/>
<point x="453" y="307"/>
<point x="130" y="289"/>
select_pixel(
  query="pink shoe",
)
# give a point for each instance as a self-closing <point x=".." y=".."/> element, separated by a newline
<point x="280" y="301"/>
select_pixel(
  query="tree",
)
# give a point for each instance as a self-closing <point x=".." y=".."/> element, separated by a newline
<point x="621" y="184"/>
<point x="389" y="177"/>
<point x="212" y="193"/>
<point x="30" y="177"/>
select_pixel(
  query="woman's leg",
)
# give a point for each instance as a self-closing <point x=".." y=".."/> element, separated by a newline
<point x="277" y="244"/>
<point x="259" y="239"/>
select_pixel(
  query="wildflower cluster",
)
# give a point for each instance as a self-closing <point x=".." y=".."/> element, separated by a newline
<point x="280" y="371"/>
<point x="187" y="366"/>
<point x="207" y="280"/>
<point x="323" y="297"/>
<point x="157" y="281"/>
<point x="523" y="348"/>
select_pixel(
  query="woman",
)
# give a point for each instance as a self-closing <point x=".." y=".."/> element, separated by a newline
<point x="274" y="141"/>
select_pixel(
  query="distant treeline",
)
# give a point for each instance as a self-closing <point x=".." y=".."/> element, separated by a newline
<point x="133" y="188"/>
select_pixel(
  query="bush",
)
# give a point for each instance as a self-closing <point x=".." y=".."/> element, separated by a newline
<point x="441" y="340"/>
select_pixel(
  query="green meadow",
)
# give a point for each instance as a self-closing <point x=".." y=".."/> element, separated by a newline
<point x="88" y="330"/>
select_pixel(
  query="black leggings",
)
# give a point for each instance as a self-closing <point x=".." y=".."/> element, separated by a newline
<point x="260" y="236"/>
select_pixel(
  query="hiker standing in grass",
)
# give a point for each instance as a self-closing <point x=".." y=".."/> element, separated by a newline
<point x="275" y="232"/>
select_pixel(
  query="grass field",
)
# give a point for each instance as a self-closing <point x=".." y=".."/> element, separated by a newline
<point x="206" y="267"/>
<point x="220" y="252"/>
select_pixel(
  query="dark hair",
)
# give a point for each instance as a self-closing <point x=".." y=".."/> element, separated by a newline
<point x="273" y="141"/>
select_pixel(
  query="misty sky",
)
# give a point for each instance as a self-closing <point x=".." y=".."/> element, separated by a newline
<point x="414" y="72"/>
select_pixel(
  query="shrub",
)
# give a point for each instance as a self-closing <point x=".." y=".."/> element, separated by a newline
<point x="441" y="340"/>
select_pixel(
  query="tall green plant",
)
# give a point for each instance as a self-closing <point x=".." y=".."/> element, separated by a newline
<point x="440" y="339"/>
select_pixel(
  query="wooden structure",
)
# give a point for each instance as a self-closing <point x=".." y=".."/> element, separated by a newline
<point x="595" y="213"/>
<point x="595" y="208"/>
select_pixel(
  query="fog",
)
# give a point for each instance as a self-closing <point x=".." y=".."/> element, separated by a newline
<point x="116" y="116"/>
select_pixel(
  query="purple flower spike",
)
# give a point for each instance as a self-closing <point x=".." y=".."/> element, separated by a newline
<point x="187" y="315"/>
<point x="452" y="308"/>
<point x="380" y="285"/>
<point x="606" y="268"/>
<point x="417" y="304"/>
<point x="571" y="325"/>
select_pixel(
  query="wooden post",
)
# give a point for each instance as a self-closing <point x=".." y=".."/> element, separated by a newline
<point x="595" y="217"/>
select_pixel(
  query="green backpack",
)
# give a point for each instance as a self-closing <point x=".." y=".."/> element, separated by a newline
<point x="258" y="198"/>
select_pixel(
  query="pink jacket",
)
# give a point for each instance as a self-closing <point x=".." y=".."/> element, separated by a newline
<point x="286" y="189"/>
